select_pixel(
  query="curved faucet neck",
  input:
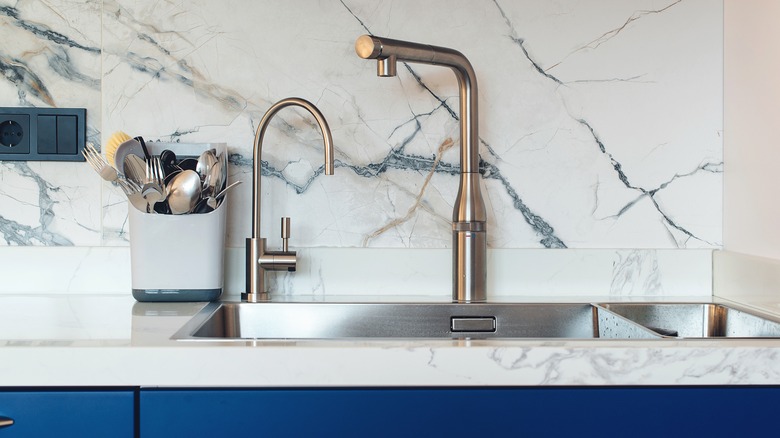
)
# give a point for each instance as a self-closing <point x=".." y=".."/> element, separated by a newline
<point x="388" y="52"/>
<point x="258" y="149"/>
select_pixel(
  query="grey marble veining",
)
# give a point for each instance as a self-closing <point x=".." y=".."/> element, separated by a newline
<point x="16" y="233"/>
<point x="54" y="61"/>
<point x="692" y="366"/>
<point x="636" y="273"/>
<point x="596" y="137"/>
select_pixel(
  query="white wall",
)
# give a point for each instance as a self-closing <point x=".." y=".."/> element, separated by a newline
<point x="751" y="120"/>
<point x="600" y="121"/>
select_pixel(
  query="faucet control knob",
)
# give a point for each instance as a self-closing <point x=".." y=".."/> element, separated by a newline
<point x="285" y="233"/>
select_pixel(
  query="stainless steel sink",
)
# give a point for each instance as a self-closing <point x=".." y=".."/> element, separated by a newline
<point x="697" y="320"/>
<point x="241" y="321"/>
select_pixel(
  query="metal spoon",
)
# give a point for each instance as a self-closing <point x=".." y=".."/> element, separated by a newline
<point x="213" y="181"/>
<point x="184" y="192"/>
<point x="223" y="160"/>
<point x="214" y="201"/>
<point x="210" y="203"/>
<point x="206" y="160"/>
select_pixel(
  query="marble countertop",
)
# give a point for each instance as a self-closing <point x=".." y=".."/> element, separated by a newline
<point x="111" y="340"/>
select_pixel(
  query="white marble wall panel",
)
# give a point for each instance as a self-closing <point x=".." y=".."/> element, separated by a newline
<point x="50" y="57"/>
<point x="393" y="273"/>
<point x="600" y="121"/>
<point x="586" y="144"/>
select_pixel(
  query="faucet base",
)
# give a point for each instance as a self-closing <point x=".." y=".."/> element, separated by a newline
<point x="258" y="261"/>
<point x="469" y="263"/>
<point x="255" y="298"/>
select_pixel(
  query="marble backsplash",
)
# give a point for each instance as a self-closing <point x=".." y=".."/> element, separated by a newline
<point x="600" y="121"/>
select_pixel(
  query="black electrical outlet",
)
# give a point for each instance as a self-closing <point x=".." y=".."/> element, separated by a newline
<point x="42" y="134"/>
<point x="11" y="133"/>
<point x="14" y="134"/>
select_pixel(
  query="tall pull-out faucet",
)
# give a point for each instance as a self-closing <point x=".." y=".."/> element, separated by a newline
<point x="258" y="258"/>
<point x="469" y="218"/>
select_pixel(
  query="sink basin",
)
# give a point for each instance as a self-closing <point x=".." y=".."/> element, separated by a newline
<point x="697" y="320"/>
<point x="241" y="321"/>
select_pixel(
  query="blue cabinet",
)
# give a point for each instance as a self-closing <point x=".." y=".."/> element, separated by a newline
<point x="392" y="412"/>
<point x="532" y="411"/>
<point x="68" y="413"/>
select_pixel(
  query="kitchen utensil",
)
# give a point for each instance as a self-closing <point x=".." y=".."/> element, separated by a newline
<point x="169" y="176"/>
<point x="203" y="206"/>
<point x="153" y="190"/>
<point x="129" y="148"/>
<point x="134" y="169"/>
<point x="168" y="160"/>
<point x="223" y="159"/>
<point x="147" y="155"/>
<point x="206" y="160"/>
<point x="111" y="146"/>
<point x="219" y="175"/>
<point x="221" y="194"/>
<point x="210" y="203"/>
<point x="212" y="182"/>
<point x="184" y="192"/>
<point x="108" y="173"/>
<point x="162" y="207"/>
<point x="143" y="147"/>
<point x="188" y="164"/>
<point x="137" y="201"/>
<point x="98" y="163"/>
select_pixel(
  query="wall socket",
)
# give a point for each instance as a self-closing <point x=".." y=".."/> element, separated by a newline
<point x="42" y="134"/>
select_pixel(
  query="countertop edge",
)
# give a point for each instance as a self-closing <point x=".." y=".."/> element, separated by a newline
<point x="566" y="364"/>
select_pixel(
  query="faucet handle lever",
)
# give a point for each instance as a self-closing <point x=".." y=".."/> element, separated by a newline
<point x="285" y="233"/>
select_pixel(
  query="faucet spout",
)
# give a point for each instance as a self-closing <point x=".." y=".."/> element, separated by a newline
<point x="258" y="149"/>
<point x="469" y="217"/>
<point x="258" y="258"/>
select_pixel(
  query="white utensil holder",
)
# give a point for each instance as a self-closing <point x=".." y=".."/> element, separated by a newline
<point x="178" y="257"/>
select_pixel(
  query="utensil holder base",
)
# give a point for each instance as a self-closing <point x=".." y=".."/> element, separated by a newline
<point x="166" y="295"/>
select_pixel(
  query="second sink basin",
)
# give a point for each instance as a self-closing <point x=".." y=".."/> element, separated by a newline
<point x="284" y="320"/>
<point x="697" y="320"/>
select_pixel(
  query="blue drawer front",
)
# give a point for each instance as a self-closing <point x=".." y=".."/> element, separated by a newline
<point x="635" y="412"/>
<point x="68" y="413"/>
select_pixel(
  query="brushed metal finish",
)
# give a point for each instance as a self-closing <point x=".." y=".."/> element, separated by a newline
<point x="285" y="320"/>
<point x="285" y="234"/>
<point x="472" y="324"/>
<point x="258" y="261"/>
<point x="613" y="326"/>
<point x="255" y="277"/>
<point x="258" y="258"/>
<point x="258" y="148"/>
<point x="698" y="320"/>
<point x="469" y="251"/>
<point x="386" y="67"/>
<point x="289" y="320"/>
<point x="469" y="266"/>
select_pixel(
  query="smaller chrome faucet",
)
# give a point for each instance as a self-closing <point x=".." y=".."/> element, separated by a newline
<point x="258" y="258"/>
